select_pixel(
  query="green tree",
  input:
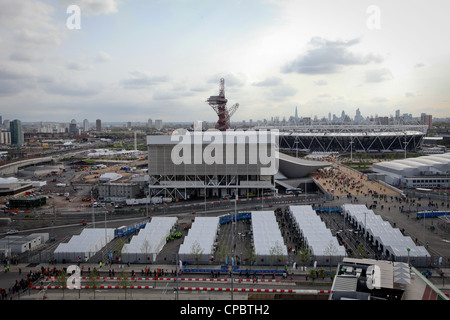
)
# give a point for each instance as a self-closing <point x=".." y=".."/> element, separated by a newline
<point x="93" y="281"/>
<point x="222" y="252"/>
<point x="276" y="252"/>
<point x="124" y="281"/>
<point x="250" y="254"/>
<point x="196" y="252"/>
<point x="61" y="280"/>
<point x="360" y="251"/>
<point x="303" y="255"/>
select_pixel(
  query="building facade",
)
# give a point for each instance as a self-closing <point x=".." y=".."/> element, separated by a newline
<point x="210" y="164"/>
<point x="16" y="133"/>
<point x="118" y="191"/>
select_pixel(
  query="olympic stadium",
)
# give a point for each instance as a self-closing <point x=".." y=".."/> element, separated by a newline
<point x="350" y="138"/>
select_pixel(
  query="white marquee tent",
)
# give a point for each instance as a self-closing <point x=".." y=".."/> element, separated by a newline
<point x="267" y="239"/>
<point x="145" y="246"/>
<point x="322" y="244"/>
<point x="388" y="239"/>
<point x="82" y="247"/>
<point x="200" y="240"/>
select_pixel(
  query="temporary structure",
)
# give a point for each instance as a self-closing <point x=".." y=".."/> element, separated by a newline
<point x="198" y="245"/>
<point x="267" y="239"/>
<point x="389" y="240"/>
<point x="84" y="246"/>
<point x="145" y="246"/>
<point x="322" y="244"/>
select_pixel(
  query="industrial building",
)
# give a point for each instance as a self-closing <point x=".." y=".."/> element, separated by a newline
<point x="16" y="244"/>
<point x="28" y="201"/>
<point x="118" y="191"/>
<point x="12" y="186"/>
<point x="422" y="172"/>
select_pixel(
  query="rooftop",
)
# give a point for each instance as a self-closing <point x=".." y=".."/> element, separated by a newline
<point x="367" y="279"/>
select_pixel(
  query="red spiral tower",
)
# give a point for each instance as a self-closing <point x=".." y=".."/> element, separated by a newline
<point x="219" y="104"/>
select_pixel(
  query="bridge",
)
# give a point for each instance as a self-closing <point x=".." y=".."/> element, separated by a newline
<point x="13" y="168"/>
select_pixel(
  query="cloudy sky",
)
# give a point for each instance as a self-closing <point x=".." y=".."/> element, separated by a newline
<point x="131" y="60"/>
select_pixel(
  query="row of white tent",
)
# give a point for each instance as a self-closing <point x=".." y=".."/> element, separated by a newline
<point x="84" y="246"/>
<point x="394" y="244"/>
<point x="198" y="245"/>
<point x="146" y="245"/>
<point x="321" y="243"/>
<point x="267" y="240"/>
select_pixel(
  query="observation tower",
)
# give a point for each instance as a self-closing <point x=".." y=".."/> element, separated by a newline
<point x="219" y="104"/>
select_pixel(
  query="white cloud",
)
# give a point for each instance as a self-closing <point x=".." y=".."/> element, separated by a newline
<point x="73" y="89"/>
<point x="231" y="79"/>
<point x="378" y="75"/>
<point x="327" y="57"/>
<point x="269" y="82"/>
<point x="139" y="80"/>
<point x="103" y="57"/>
<point x="78" y="66"/>
<point x="321" y="82"/>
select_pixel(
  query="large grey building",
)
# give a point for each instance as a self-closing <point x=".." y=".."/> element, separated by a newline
<point x="98" y="125"/>
<point x="118" y="191"/>
<point x="218" y="163"/>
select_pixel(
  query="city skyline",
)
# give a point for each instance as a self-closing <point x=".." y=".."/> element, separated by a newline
<point x="161" y="60"/>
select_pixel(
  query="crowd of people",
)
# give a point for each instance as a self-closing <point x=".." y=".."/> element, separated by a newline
<point x="20" y="286"/>
<point x="342" y="181"/>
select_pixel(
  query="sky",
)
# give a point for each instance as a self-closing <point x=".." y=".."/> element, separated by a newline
<point x="131" y="60"/>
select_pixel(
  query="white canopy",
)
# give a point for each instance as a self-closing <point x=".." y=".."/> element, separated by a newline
<point x="84" y="246"/>
<point x="400" y="246"/>
<point x="150" y="240"/>
<point x="319" y="239"/>
<point x="200" y="239"/>
<point x="267" y="237"/>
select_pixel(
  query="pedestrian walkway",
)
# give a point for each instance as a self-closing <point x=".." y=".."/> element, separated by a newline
<point x="340" y="180"/>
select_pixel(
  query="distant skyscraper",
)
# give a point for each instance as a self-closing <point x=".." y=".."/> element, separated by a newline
<point x="150" y="123"/>
<point x="158" y="124"/>
<point x="73" y="129"/>
<point x="86" y="125"/>
<point x="296" y="119"/>
<point x="15" y="127"/>
<point x="358" y="117"/>
<point x="5" y="137"/>
<point x="98" y="125"/>
<point x="426" y="119"/>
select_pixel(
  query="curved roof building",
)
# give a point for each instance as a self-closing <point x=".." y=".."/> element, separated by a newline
<point x="292" y="167"/>
<point x="426" y="166"/>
